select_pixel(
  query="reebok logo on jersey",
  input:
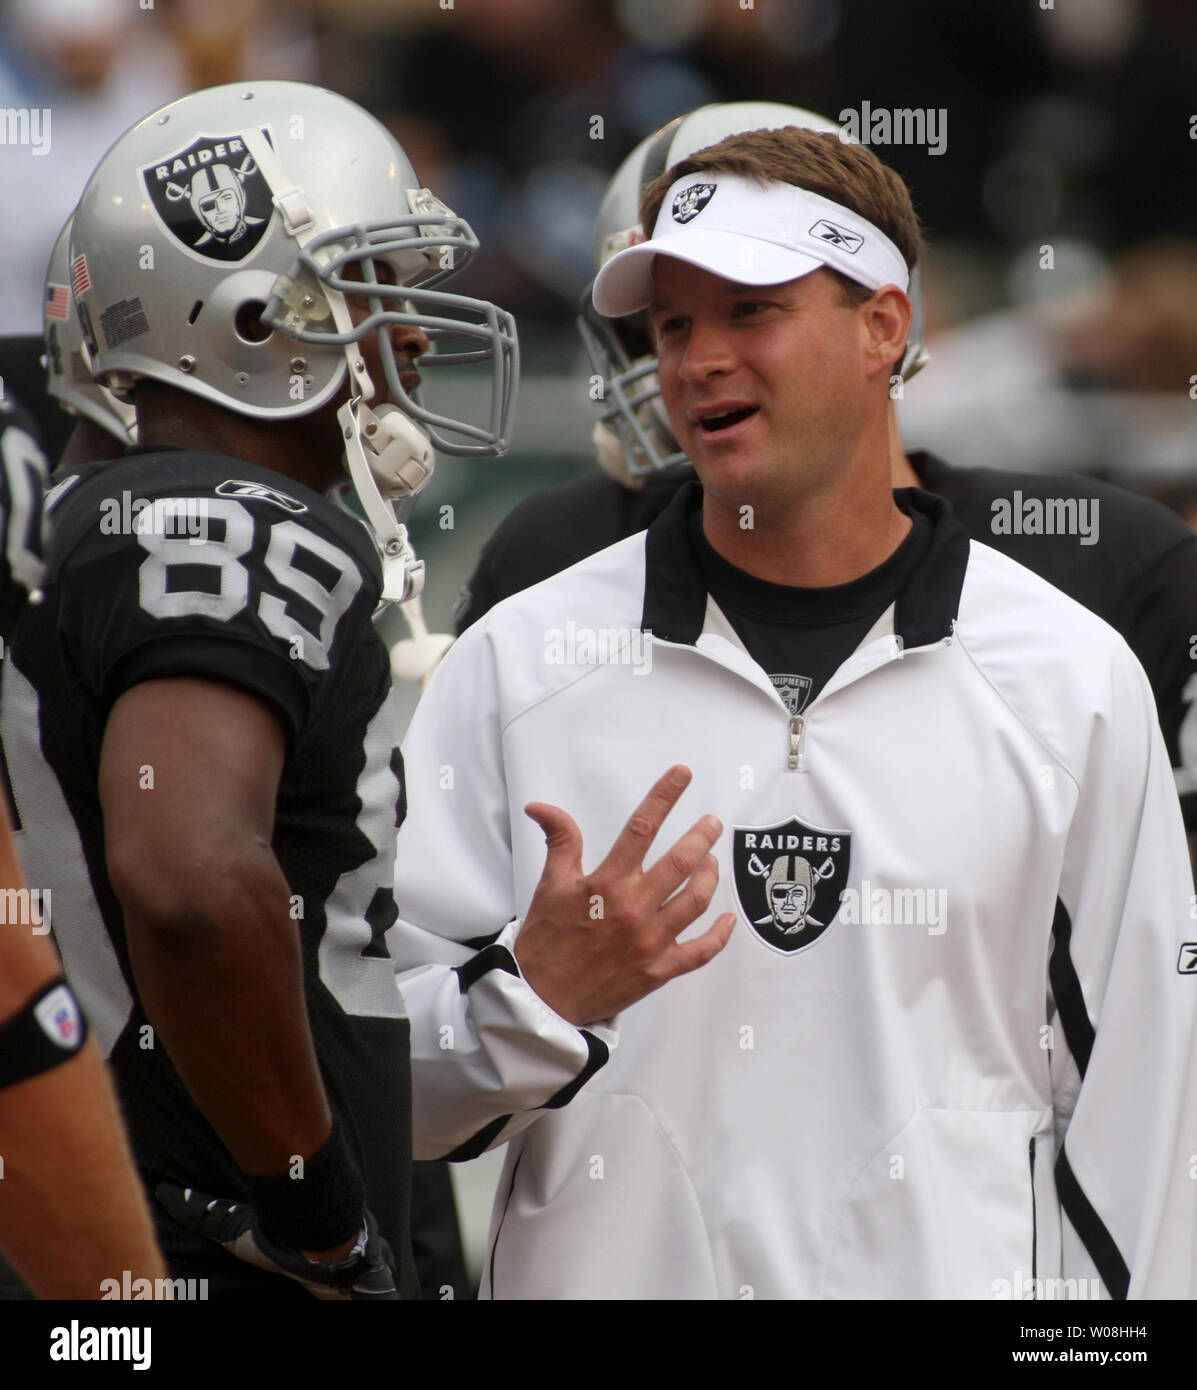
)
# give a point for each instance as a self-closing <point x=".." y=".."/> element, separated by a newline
<point x="789" y="880"/>
<point x="212" y="197"/>
<point x="1187" y="962"/>
<point x="235" y="487"/>
<point x="690" y="201"/>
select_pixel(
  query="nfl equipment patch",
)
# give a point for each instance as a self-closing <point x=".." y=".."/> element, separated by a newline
<point x="789" y="879"/>
<point x="794" y="691"/>
<point x="212" y="197"/>
<point x="58" y="1015"/>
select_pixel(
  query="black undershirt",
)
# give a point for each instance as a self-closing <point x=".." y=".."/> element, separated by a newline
<point x="800" y="637"/>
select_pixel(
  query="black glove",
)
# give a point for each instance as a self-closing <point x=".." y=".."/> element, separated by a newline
<point x="367" y="1272"/>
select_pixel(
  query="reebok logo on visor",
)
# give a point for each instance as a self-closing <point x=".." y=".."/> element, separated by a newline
<point x="691" y="201"/>
<point x="760" y="234"/>
<point x="837" y="236"/>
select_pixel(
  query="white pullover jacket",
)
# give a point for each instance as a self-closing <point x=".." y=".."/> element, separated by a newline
<point x="965" y="1072"/>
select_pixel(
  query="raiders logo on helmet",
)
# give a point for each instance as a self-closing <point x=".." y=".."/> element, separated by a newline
<point x="690" y="201"/>
<point x="212" y="196"/>
<point x="789" y="879"/>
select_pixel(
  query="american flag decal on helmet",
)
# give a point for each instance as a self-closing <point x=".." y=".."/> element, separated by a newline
<point x="80" y="280"/>
<point x="58" y="304"/>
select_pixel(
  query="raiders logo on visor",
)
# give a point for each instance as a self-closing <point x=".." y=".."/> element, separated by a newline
<point x="690" y="201"/>
<point x="789" y="879"/>
<point x="212" y="197"/>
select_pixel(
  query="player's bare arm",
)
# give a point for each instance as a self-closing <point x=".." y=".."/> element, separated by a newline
<point x="207" y="909"/>
<point x="72" y="1213"/>
<point x="589" y="966"/>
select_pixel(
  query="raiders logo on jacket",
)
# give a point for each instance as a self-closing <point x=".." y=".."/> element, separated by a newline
<point x="167" y="564"/>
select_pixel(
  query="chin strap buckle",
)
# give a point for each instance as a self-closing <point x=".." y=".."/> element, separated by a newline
<point x="388" y="457"/>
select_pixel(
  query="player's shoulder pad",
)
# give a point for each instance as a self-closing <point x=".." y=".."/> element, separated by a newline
<point x="180" y="490"/>
<point x="1138" y="528"/>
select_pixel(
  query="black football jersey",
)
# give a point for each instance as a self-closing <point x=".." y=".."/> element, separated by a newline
<point x="22" y="479"/>
<point x="1136" y="568"/>
<point x="555" y="528"/>
<point x="1139" y="573"/>
<point x="168" y="563"/>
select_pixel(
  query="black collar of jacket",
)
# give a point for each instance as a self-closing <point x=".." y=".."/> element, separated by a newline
<point x="675" y="599"/>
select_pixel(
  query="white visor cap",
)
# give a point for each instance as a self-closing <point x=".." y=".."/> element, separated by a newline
<point x="752" y="234"/>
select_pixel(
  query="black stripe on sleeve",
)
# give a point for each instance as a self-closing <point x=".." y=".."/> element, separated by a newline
<point x="476" y="943"/>
<point x="488" y="959"/>
<point x="1066" y="987"/>
<point x="598" y="1054"/>
<point x="1092" y="1230"/>
<point x="598" y="1057"/>
<point x="479" y="1143"/>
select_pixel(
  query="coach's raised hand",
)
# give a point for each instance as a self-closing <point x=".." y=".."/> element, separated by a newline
<point x="588" y="964"/>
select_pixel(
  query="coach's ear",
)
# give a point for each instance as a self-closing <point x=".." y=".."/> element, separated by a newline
<point x="885" y="320"/>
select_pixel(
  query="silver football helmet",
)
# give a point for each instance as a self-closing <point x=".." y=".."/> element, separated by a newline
<point x="632" y="436"/>
<point x="213" y="249"/>
<point x="68" y="378"/>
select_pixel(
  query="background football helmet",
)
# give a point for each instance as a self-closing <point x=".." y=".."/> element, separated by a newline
<point x="632" y="435"/>
<point x="68" y="378"/>
<point x="213" y="248"/>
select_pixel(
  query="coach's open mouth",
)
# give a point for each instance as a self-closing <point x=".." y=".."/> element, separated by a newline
<point x="725" y="419"/>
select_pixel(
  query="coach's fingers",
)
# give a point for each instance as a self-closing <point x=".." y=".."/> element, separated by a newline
<point x="631" y="845"/>
<point x="675" y="866"/>
<point x="685" y="956"/>
<point x="690" y="901"/>
<point x="562" y="837"/>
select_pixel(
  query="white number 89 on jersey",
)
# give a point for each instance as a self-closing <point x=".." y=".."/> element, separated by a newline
<point x="170" y="587"/>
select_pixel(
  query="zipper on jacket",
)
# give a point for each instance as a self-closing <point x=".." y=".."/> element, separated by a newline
<point x="797" y="733"/>
<point x="1034" y="1226"/>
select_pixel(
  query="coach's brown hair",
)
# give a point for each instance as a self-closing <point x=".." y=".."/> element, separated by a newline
<point x="820" y="161"/>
